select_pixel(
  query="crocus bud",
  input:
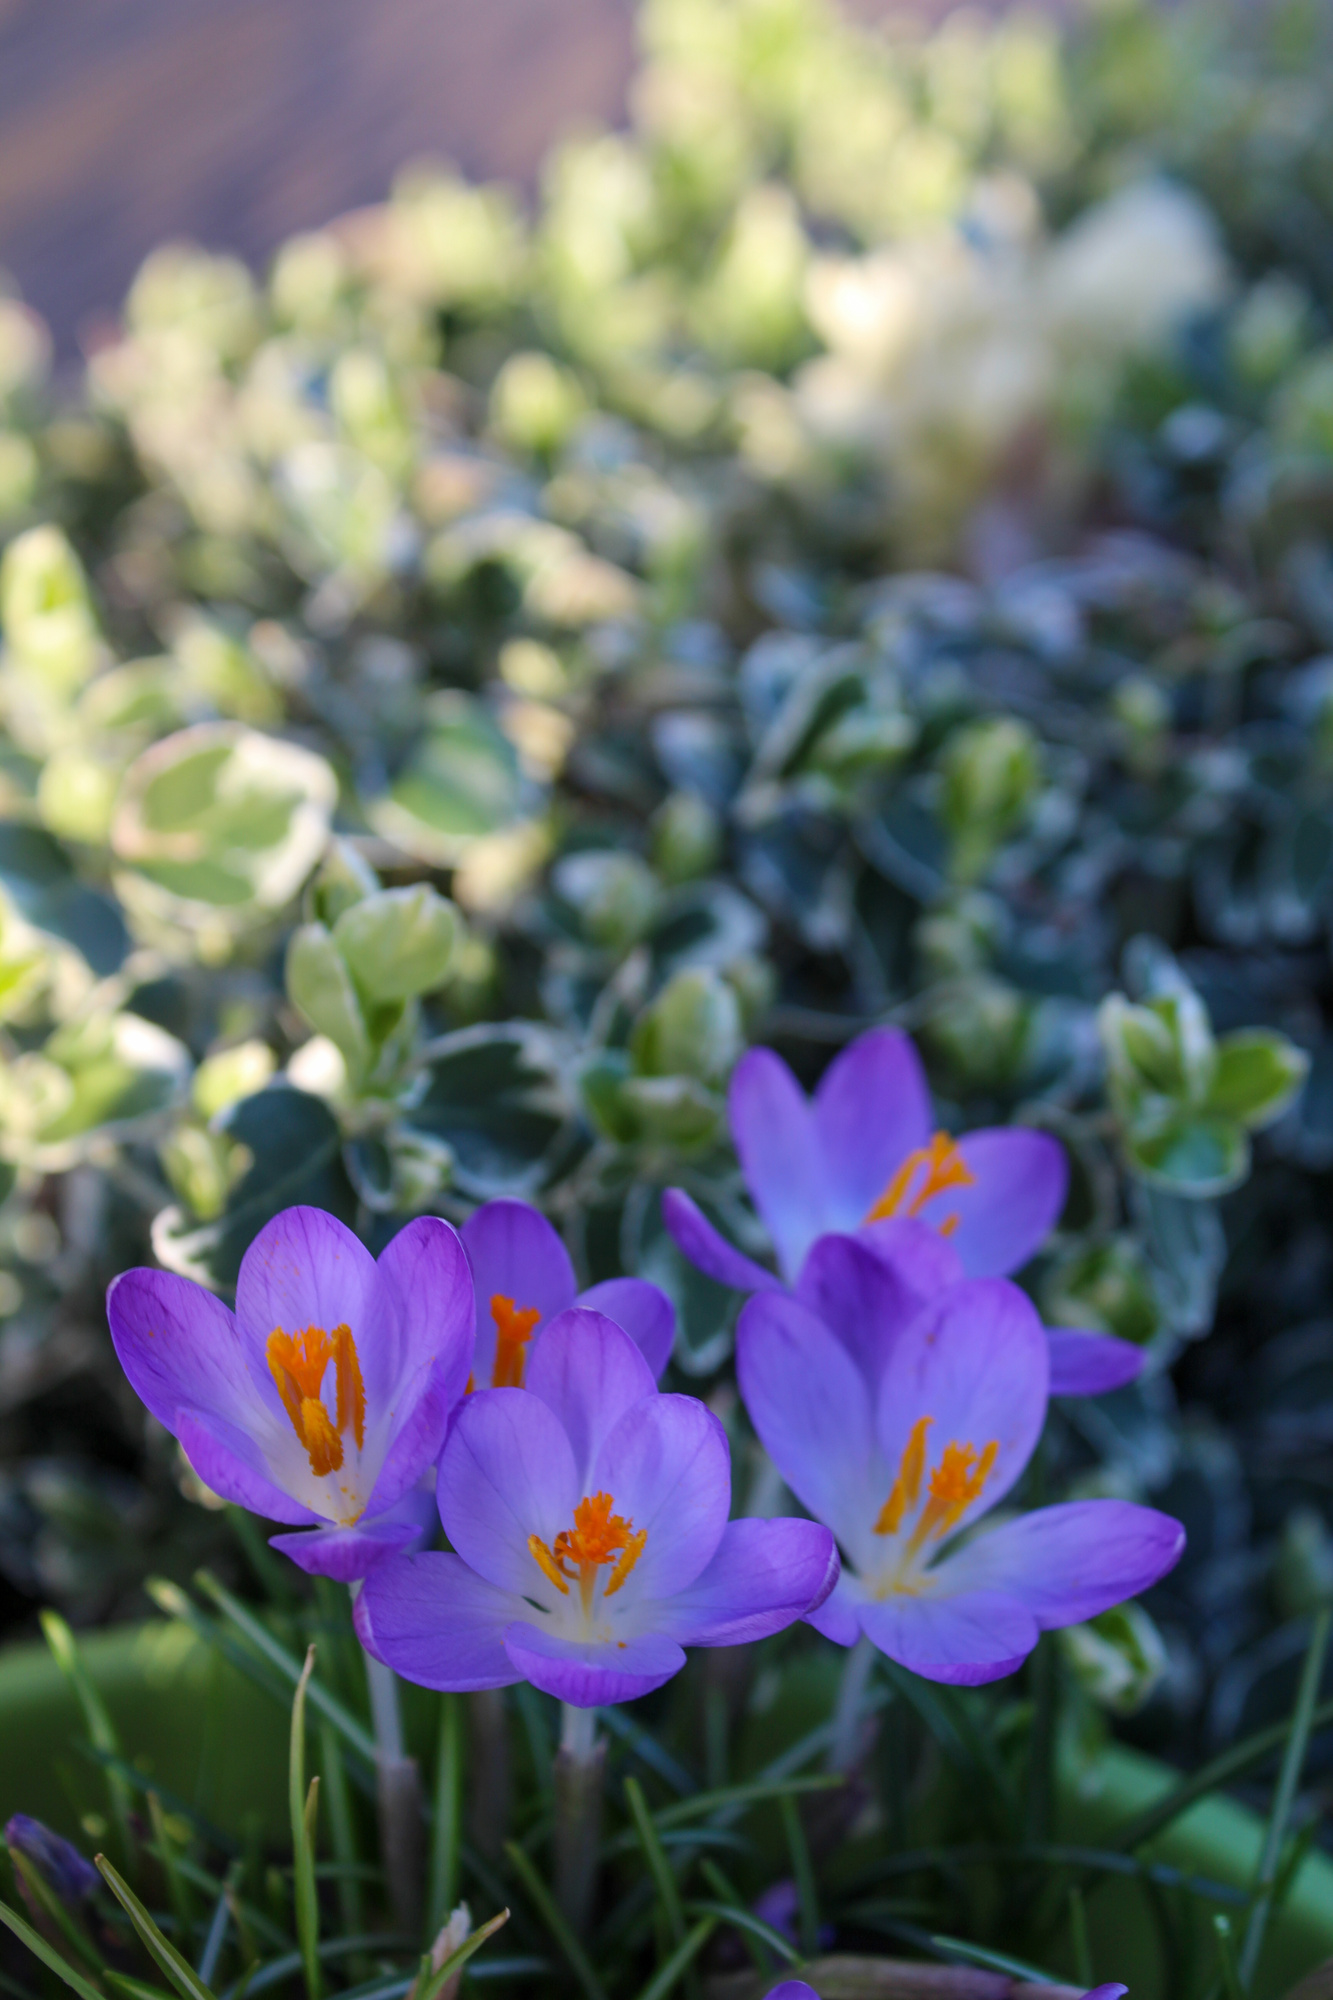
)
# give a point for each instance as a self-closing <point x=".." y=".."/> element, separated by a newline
<point x="60" y="1866"/>
<point x="990" y="770"/>
<point x="693" y="1028"/>
<point x="398" y="943"/>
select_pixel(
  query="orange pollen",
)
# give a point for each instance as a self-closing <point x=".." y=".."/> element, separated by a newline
<point x="513" y="1329"/>
<point x="599" y="1537"/>
<point x="907" y="1486"/>
<point x="957" y="1481"/>
<point x="941" y="1167"/>
<point x="298" y="1362"/>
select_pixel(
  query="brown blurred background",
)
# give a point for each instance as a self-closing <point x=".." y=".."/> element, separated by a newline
<point x="124" y="123"/>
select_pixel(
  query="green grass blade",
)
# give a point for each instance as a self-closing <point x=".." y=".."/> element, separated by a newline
<point x="182" y="1904"/>
<point x="48" y="1955"/>
<point x="807" y="1897"/>
<point x="447" y="1831"/>
<point x="135" y="1989"/>
<point x="178" y="1970"/>
<point x="1226" y="1959"/>
<point x="1284" y="1793"/>
<point x="458" y="1959"/>
<point x="342" y="1828"/>
<point x="659" y="1867"/>
<point x="680" y="1961"/>
<point x="746" y="1920"/>
<point x="993" y="1961"/>
<point x="574" y="1955"/>
<point x="301" y="1804"/>
<point x="101" y="1730"/>
<point x="286" y="1663"/>
<point x="704" y="1804"/>
<point x="1235" y="1763"/>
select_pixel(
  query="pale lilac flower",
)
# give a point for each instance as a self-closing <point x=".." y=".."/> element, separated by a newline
<point x="324" y="1398"/>
<point x="523" y="1277"/>
<point x="863" y="1156"/>
<point x="64" y="1870"/>
<point x="900" y="1430"/>
<point x="588" y="1518"/>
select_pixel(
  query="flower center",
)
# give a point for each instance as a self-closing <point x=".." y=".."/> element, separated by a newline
<point x="929" y="1171"/>
<point x="298" y="1362"/>
<point x="599" y="1537"/>
<point x="513" y="1330"/>
<point x="958" y="1480"/>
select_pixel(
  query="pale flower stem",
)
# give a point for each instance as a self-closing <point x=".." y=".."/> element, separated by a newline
<point x="398" y="1795"/>
<point x="579" y="1765"/>
<point x="851" y="1699"/>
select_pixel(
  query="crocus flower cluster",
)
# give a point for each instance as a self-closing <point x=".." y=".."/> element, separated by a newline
<point x="901" y="1427"/>
<point x="863" y="1156"/>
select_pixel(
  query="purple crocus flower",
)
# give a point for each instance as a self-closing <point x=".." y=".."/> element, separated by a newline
<point x="588" y="1513"/>
<point x="325" y="1396"/>
<point x="62" y="1867"/>
<point x="523" y="1279"/>
<point x="863" y="1156"/>
<point x="900" y="1429"/>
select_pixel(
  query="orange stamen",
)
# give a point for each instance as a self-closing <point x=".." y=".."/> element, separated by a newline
<point x="513" y="1328"/>
<point x="599" y="1536"/>
<point x="957" y="1481"/>
<point x="298" y="1363"/>
<point x="941" y="1165"/>
<point x="907" y="1486"/>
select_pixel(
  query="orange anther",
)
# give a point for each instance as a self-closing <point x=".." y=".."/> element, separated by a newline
<point x="907" y="1486"/>
<point x="599" y="1536"/>
<point x="513" y="1329"/>
<point x="941" y="1167"/>
<point x="298" y="1363"/>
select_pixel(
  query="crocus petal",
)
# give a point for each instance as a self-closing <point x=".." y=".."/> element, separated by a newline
<point x="1111" y="1992"/>
<point x="1068" y="1563"/>
<point x="838" y="1618"/>
<point x="860" y="1297"/>
<point x="506" y="1473"/>
<point x="792" y="1989"/>
<point x="588" y="1371"/>
<point x="434" y="1621"/>
<point x="592" y="1674"/>
<point x="229" y="1463"/>
<point x="965" y="1638"/>
<point x="923" y="1260"/>
<point x="764" y="1576"/>
<point x="181" y="1349"/>
<point x="345" y="1554"/>
<point x="645" y="1312"/>
<point x="708" y="1250"/>
<point x="667" y="1466"/>
<point x="1090" y="1364"/>
<point x="812" y="1411"/>
<point x="515" y="1252"/>
<point x="422" y="1312"/>
<point x="420" y="1418"/>
<point x="774" y="1130"/>
<point x="305" y="1268"/>
<point x="872" y="1109"/>
<point x="1015" y="1202"/>
<point x="977" y="1364"/>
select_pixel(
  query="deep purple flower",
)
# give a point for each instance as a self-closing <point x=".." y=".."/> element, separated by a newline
<point x="589" y="1516"/>
<point x="863" y="1156"/>
<point x="900" y="1428"/>
<point x="62" y="1867"/>
<point x="1111" y="1992"/>
<point x="523" y="1278"/>
<point x="325" y="1396"/>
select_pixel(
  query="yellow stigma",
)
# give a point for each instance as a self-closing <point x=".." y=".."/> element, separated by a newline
<point x="958" y="1480"/>
<point x="941" y="1167"/>
<point x="599" y="1536"/>
<point x="513" y="1329"/>
<point x="298" y="1363"/>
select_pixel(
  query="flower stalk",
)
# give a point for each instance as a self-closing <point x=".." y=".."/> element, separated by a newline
<point x="398" y="1795"/>
<point x="579" y="1767"/>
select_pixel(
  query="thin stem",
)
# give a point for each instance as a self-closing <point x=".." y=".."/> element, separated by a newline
<point x="398" y="1793"/>
<point x="579" y="1766"/>
<point x="1284" y="1794"/>
<point x="851" y="1700"/>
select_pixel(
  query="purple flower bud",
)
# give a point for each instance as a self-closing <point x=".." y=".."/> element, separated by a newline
<point x="60" y="1866"/>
